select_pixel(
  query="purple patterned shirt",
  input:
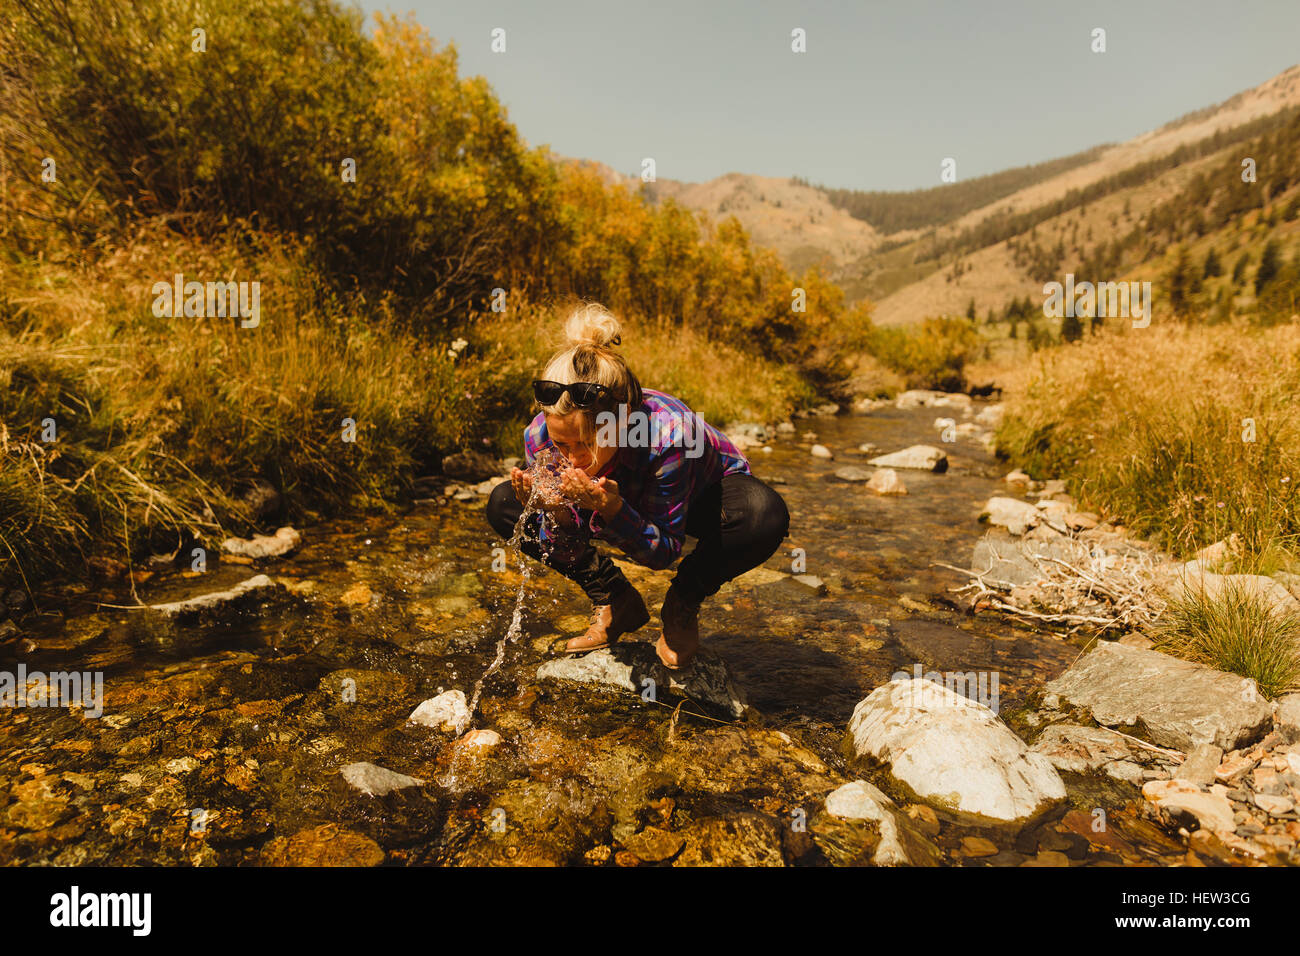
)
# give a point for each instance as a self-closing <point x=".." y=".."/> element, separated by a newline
<point x="667" y="455"/>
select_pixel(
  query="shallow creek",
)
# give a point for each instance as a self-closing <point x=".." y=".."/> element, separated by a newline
<point x="222" y="742"/>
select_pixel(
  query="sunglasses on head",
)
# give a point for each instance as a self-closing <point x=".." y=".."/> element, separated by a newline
<point x="584" y="394"/>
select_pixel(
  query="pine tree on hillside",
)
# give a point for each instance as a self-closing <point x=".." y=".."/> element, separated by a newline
<point x="1212" y="266"/>
<point x="1239" y="270"/>
<point x="1269" y="262"/>
<point x="1071" y="329"/>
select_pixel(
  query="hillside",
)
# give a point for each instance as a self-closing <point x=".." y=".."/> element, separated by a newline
<point x="1063" y="212"/>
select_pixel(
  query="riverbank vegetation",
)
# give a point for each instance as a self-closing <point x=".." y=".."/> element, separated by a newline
<point x="410" y="250"/>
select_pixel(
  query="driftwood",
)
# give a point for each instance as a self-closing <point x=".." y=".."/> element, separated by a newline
<point x="1109" y="591"/>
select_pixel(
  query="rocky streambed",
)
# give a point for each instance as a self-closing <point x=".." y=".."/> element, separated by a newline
<point x="314" y="712"/>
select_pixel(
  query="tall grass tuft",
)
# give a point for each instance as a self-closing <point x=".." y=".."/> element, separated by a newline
<point x="1234" y="630"/>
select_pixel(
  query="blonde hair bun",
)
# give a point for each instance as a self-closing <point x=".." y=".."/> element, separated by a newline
<point x="593" y="325"/>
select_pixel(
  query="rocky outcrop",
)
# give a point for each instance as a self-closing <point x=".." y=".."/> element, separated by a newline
<point x="1172" y="702"/>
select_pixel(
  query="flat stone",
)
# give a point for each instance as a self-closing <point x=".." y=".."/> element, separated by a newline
<point x="1174" y="703"/>
<point x="1006" y="562"/>
<point x="1194" y="579"/>
<point x="821" y="451"/>
<point x="951" y="752"/>
<point x="1180" y="800"/>
<point x="1233" y="768"/>
<point x="375" y="781"/>
<point x="1287" y="717"/>
<point x="262" y="546"/>
<point x="628" y="665"/>
<point x="919" y="457"/>
<point x="1201" y="765"/>
<point x="242" y="595"/>
<point x="1089" y="750"/>
<point x="1274" y="805"/>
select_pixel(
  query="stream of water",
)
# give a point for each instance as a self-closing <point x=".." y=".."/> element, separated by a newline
<point x="245" y="724"/>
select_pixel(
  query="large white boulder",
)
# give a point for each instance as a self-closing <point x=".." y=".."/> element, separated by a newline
<point x="952" y="752"/>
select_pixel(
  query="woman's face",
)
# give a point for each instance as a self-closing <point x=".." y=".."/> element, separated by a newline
<point x="566" y="435"/>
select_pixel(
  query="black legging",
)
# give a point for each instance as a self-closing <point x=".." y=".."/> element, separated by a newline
<point x="738" y="523"/>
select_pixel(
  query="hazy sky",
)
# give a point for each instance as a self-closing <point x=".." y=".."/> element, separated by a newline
<point x="884" y="92"/>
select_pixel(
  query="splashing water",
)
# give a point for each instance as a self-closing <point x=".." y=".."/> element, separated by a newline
<point x="545" y="490"/>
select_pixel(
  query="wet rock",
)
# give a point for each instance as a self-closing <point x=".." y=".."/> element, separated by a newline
<point x="853" y="473"/>
<point x="480" y="740"/>
<point x="919" y="457"/>
<point x="628" y="664"/>
<point x="737" y="839"/>
<point x="752" y="432"/>
<point x="472" y="466"/>
<point x="242" y="596"/>
<point x="952" y="752"/>
<point x="375" y="781"/>
<point x="448" y="712"/>
<point x="327" y="845"/>
<point x="1200" y="766"/>
<point x="262" y="546"/>
<point x="1174" y="703"/>
<point x="358" y="595"/>
<point x="1011" y="513"/>
<point x="654" y="845"/>
<point x="886" y="482"/>
<point x="785" y="428"/>
<point x="1185" y="802"/>
<point x="1088" y="750"/>
<point x="977" y="847"/>
<point x="928" y="398"/>
<point x="811" y="582"/>
<point x="821" y="451"/>
<point x="899" y="845"/>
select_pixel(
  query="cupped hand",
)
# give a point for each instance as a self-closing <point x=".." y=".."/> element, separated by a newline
<point x="600" y="495"/>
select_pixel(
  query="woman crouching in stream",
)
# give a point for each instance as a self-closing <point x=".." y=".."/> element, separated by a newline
<point x="641" y="471"/>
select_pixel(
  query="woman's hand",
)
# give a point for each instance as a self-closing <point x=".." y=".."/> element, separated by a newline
<point x="600" y="495"/>
<point x="522" y="482"/>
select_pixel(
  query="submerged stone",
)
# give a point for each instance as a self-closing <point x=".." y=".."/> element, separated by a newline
<point x="898" y="845"/>
<point x="239" y="597"/>
<point x="448" y="712"/>
<point x="375" y="781"/>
